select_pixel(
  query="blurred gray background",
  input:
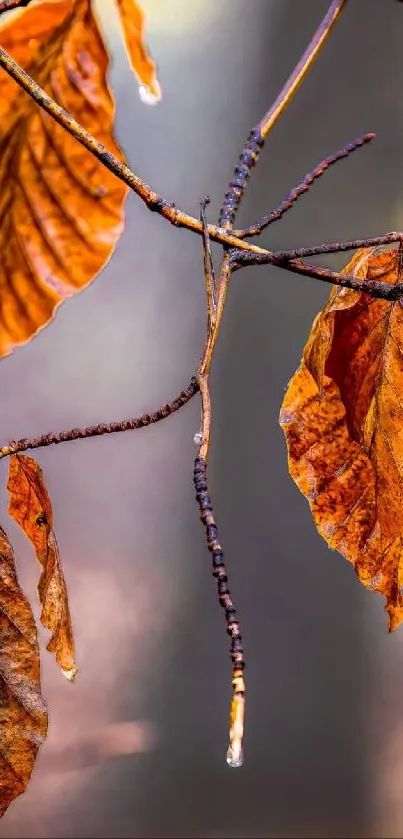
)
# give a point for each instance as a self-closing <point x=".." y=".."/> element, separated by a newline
<point x="324" y="737"/>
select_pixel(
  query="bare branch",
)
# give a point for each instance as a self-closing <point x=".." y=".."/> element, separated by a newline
<point x="304" y="65"/>
<point x="208" y="263"/>
<point x="154" y="202"/>
<point x="234" y="753"/>
<point x="337" y="247"/>
<point x="257" y="136"/>
<point x="304" y="186"/>
<point x="374" y="288"/>
<point x="104" y="428"/>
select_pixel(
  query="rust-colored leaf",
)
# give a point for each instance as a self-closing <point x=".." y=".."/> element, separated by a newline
<point x="61" y="211"/>
<point x="31" y="508"/>
<point x="23" y="714"/>
<point x="342" y="416"/>
<point x="132" y="20"/>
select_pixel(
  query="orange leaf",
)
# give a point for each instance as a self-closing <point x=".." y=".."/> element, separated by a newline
<point x="23" y="714"/>
<point x="31" y="508"/>
<point x="342" y="416"/>
<point x="61" y="211"/>
<point x="132" y="20"/>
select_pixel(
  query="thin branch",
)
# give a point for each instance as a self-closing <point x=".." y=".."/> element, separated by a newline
<point x="257" y="136"/>
<point x="208" y="263"/>
<point x="292" y="84"/>
<point x="234" y="753"/>
<point x="337" y="247"/>
<point x="104" y="428"/>
<point x="247" y="159"/>
<point x="375" y="288"/>
<point x="304" y="186"/>
<point x="154" y="202"/>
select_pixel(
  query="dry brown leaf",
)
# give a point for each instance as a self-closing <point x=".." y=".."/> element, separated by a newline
<point x="31" y="508"/>
<point x="132" y="20"/>
<point x="23" y="714"/>
<point x="61" y="211"/>
<point x="342" y="416"/>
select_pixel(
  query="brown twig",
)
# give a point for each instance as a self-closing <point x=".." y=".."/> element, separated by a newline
<point x="156" y="203"/>
<point x="232" y="200"/>
<point x="291" y="261"/>
<point x="304" y="65"/>
<point x="303" y="187"/>
<point x="234" y="753"/>
<point x="216" y="297"/>
<point x="337" y="247"/>
<point x="104" y="427"/>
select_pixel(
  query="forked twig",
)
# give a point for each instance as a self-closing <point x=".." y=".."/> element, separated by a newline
<point x="155" y="202"/>
<point x="292" y="261"/>
<point x="304" y="186"/>
<point x="237" y="253"/>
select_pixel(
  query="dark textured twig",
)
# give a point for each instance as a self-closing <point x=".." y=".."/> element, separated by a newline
<point x="247" y="160"/>
<point x="337" y="247"/>
<point x="104" y="428"/>
<point x="248" y="157"/>
<point x="282" y="259"/>
<point x="304" y="186"/>
<point x="234" y="754"/>
<point x="374" y="288"/>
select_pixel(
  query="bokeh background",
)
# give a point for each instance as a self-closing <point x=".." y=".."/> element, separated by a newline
<point x="324" y="738"/>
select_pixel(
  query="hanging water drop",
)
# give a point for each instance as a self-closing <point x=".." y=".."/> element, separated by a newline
<point x="235" y="756"/>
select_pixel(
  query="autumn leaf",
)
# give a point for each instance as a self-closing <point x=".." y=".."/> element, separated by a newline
<point x="23" y="714"/>
<point x="31" y="508"/>
<point x="132" y="20"/>
<point x="61" y="211"/>
<point x="342" y="416"/>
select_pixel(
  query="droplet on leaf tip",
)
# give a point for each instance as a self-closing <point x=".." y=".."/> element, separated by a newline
<point x="70" y="674"/>
<point x="149" y="96"/>
<point x="235" y="756"/>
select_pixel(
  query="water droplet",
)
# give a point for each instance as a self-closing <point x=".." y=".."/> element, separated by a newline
<point x="198" y="438"/>
<point x="148" y="96"/>
<point x="235" y="756"/>
<point x="312" y="495"/>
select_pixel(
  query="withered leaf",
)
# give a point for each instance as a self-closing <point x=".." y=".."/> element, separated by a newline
<point x="61" y="211"/>
<point x="342" y="416"/>
<point x="132" y="20"/>
<point x="23" y="714"/>
<point x="31" y="508"/>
